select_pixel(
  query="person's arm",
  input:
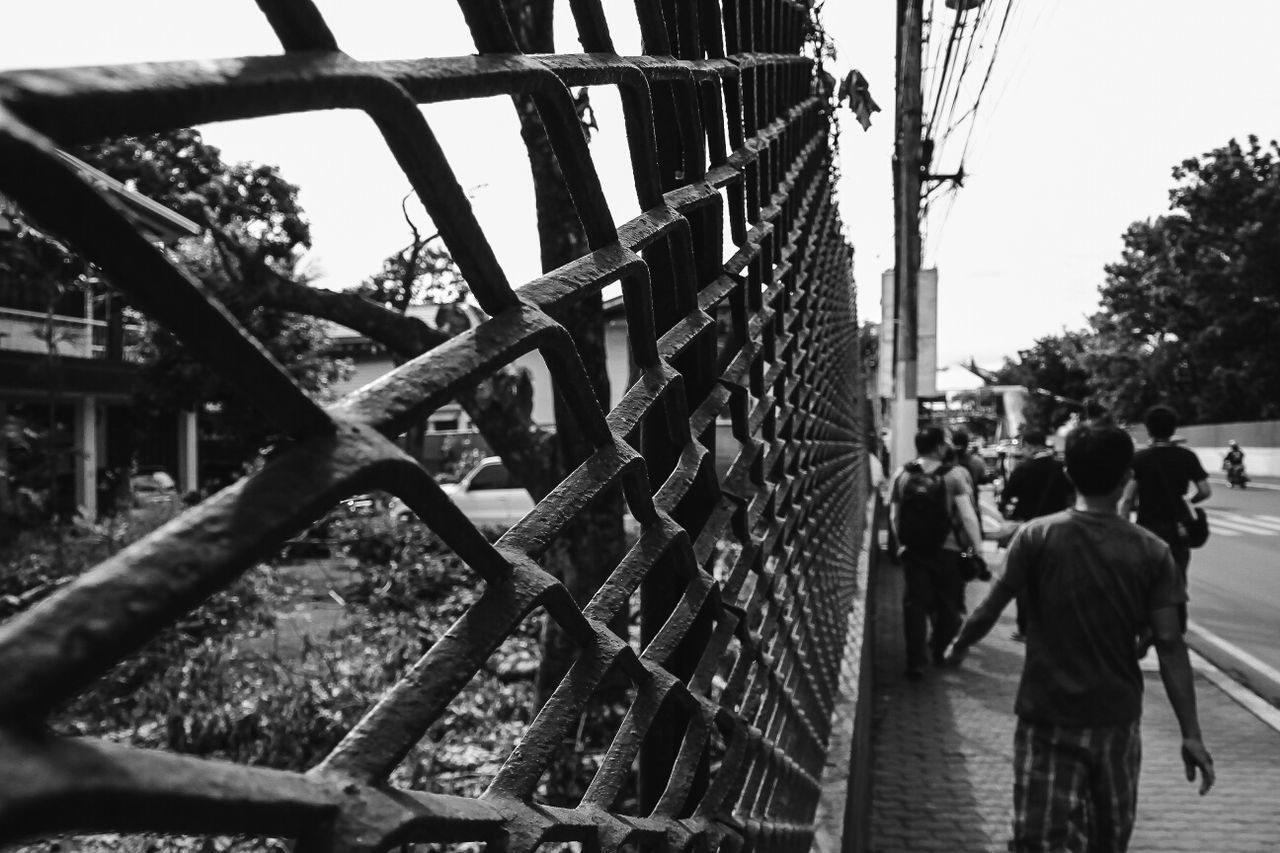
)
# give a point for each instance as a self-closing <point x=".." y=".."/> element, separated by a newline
<point x="962" y="504"/>
<point x="1202" y="491"/>
<point x="1129" y="498"/>
<point x="1197" y="475"/>
<point x="1179" y="685"/>
<point x="981" y="621"/>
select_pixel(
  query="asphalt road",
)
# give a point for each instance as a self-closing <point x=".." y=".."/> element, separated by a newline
<point x="1235" y="577"/>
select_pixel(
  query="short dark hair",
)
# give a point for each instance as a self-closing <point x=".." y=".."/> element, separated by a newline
<point x="960" y="439"/>
<point x="1033" y="436"/>
<point x="1161" y="421"/>
<point x="1098" y="455"/>
<point x="929" y="439"/>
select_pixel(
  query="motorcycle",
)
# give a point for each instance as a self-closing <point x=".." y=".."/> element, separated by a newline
<point x="1236" y="477"/>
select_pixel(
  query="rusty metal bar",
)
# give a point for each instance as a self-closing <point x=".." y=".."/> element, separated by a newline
<point x="744" y="576"/>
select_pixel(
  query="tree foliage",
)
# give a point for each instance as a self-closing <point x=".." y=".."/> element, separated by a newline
<point x="254" y="230"/>
<point x="1190" y="313"/>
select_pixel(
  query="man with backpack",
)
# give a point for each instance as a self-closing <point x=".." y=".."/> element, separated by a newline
<point x="932" y="513"/>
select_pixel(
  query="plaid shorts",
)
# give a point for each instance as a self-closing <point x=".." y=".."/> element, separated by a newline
<point x="1074" y="789"/>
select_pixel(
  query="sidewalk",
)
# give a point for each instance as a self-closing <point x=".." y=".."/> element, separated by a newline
<point x="943" y="748"/>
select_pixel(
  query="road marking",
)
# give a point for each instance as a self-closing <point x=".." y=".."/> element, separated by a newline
<point x="1274" y="519"/>
<point x="1240" y="654"/>
<point x="1244" y="526"/>
<point x="1222" y="531"/>
<point x="1247" y="519"/>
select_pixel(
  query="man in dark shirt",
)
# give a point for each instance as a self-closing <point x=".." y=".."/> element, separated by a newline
<point x="1093" y="581"/>
<point x="1162" y="474"/>
<point x="970" y="461"/>
<point x="1038" y="487"/>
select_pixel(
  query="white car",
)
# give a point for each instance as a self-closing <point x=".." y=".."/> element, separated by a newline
<point x="486" y="495"/>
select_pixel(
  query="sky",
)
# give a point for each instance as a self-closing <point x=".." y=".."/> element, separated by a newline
<point x="1089" y="106"/>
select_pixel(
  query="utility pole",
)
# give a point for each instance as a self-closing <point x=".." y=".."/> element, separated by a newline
<point x="906" y="203"/>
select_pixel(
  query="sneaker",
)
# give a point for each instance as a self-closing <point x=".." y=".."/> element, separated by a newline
<point x="1017" y="636"/>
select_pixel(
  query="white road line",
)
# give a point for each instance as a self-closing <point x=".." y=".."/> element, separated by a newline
<point x="1222" y="531"/>
<point x="1246" y="519"/>
<point x="1240" y="654"/>
<point x="1243" y="527"/>
<point x="1274" y="519"/>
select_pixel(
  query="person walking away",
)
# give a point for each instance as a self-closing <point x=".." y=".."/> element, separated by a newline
<point x="1037" y="487"/>
<point x="977" y="469"/>
<point x="931" y="512"/>
<point x="1162" y="474"/>
<point x="1093" y="581"/>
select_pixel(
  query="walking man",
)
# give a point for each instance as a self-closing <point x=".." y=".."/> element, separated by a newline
<point x="931" y="511"/>
<point x="1162" y="474"/>
<point x="975" y="466"/>
<point x="1036" y="488"/>
<point x="1093" y="582"/>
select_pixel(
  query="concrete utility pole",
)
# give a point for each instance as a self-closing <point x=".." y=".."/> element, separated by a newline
<point x="906" y="204"/>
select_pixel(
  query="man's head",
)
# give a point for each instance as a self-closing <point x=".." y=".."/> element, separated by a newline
<point x="1234" y="444"/>
<point x="1161" y="421"/>
<point x="1098" y="457"/>
<point x="960" y="440"/>
<point x="1034" y="439"/>
<point x="931" y="441"/>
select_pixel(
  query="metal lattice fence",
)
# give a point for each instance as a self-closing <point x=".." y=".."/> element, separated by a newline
<point x="751" y="121"/>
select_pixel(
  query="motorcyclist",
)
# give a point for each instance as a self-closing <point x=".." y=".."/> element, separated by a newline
<point x="1233" y="464"/>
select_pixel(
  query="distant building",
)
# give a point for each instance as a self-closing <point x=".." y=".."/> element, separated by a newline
<point x="73" y="365"/>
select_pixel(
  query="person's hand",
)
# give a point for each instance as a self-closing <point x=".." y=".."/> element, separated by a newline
<point x="1194" y="756"/>
<point x="955" y="655"/>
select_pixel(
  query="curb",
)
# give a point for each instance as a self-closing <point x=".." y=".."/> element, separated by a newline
<point x="1236" y="662"/>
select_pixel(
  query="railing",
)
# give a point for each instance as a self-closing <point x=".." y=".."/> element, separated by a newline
<point x="81" y="337"/>
<point x="746" y="120"/>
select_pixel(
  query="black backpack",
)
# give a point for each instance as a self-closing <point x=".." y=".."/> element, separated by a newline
<point x="924" y="512"/>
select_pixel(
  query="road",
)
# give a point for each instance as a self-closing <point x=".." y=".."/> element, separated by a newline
<point x="1235" y="577"/>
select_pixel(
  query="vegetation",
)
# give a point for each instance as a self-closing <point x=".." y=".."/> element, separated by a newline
<point x="276" y="669"/>
<point x="1190" y="313"/>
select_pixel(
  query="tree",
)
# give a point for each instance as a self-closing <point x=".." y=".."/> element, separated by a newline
<point x="1193" y="305"/>
<point x="1054" y="371"/>
<point x="255" y="230"/>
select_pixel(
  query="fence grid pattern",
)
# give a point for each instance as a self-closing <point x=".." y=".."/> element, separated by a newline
<point x="746" y="663"/>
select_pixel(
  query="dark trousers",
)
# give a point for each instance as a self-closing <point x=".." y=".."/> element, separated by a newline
<point x="933" y="590"/>
<point x="1168" y="531"/>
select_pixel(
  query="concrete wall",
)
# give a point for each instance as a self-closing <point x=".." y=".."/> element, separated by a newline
<point x="1260" y="441"/>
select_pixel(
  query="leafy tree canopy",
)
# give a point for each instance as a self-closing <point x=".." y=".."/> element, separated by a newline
<point x="1190" y="313"/>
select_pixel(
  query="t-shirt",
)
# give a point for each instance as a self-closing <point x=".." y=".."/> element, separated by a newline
<point x="1164" y="472"/>
<point x="1088" y="581"/>
<point x="975" y="466"/>
<point x="1037" y="487"/>
<point x="958" y="486"/>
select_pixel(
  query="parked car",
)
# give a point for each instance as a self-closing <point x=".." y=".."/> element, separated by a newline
<point x="486" y="494"/>
<point x="153" y="487"/>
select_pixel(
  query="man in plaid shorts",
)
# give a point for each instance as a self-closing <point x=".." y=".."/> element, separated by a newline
<point x="1092" y="581"/>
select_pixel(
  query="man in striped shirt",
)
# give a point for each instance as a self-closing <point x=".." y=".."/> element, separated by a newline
<point x="1092" y="582"/>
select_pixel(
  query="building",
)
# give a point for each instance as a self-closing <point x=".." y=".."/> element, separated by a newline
<point x="69" y="363"/>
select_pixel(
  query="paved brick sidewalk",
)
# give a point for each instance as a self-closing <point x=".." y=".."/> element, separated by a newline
<point x="944" y="748"/>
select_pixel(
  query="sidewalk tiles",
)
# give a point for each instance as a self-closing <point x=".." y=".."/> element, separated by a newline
<point x="943" y="746"/>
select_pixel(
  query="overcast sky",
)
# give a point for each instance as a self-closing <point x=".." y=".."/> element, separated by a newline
<point x="1090" y="104"/>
